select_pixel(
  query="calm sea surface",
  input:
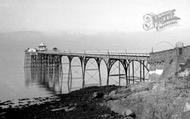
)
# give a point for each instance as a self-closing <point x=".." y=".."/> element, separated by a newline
<point x="12" y="80"/>
<point x="17" y="82"/>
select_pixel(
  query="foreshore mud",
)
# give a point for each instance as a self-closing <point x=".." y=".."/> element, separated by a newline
<point x="81" y="104"/>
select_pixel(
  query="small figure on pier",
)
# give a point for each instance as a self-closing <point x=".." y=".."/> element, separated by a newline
<point x="55" y="49"/>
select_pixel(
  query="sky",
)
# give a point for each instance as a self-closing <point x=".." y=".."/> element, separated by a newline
<point x="116" y="23"/>
<point x="87" y="16"/>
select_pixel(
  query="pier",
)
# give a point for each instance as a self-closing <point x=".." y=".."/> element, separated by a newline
<point x="48" y="65"/>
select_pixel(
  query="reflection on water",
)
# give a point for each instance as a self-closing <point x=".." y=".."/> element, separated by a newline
<point x="49" y="75"/>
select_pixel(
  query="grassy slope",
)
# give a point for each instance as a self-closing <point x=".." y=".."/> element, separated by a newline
<point x="164" y="98"/>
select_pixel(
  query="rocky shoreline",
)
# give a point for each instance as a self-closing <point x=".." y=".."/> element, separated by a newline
<point x="86" y="103"/>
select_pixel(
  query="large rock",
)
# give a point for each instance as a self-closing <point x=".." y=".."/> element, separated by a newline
<point x="186" y="111"/>
<point x="116" y="107"/>
<point x="185" y="115"/>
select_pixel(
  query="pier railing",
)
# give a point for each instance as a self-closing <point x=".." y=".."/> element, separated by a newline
<point x="110" y="54"/>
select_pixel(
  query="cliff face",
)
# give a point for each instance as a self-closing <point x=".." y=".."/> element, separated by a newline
<point x="166" y="61"/>
<point x="171" y="62"/>
<point x="161" y="99"/>
<point x="165" y="96"/>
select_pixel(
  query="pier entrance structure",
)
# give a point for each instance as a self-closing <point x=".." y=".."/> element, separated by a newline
<point x="135" y="65"/>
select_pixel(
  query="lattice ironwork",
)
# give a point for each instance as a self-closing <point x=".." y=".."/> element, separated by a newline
<point x="132" y="63"/>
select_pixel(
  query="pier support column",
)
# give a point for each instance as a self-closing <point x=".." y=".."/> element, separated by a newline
<point x="69" y="81"/>
<point x="100" y="78"/>
<point x="140" y="70"/>
<point x="108" y="65"/>
<point x="129" y="79"/>
<point x="83" y="61"/>
<point x="108" y="75"/>
<point x="119" y="71"/>
<point x="126" y="74"/>
<point x="124" y="63"/>
<point x="60" y="74"/>
<point x="98" y="61"/>
<point x="133" y="72"/>
<point x="143" y="62"/>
